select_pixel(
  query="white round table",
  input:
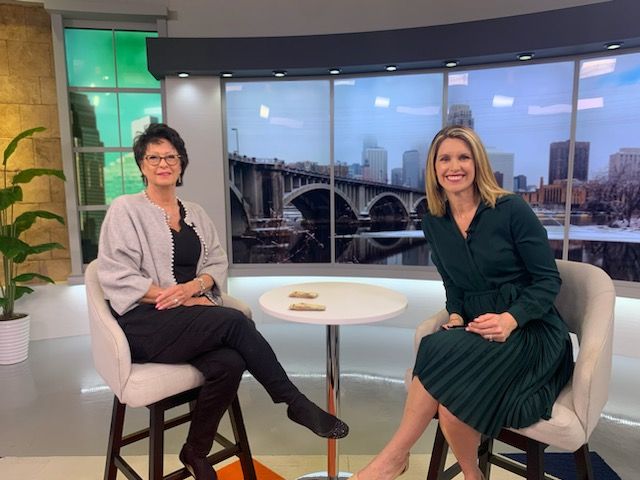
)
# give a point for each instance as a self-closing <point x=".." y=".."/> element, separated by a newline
<point x="347" y="303"/>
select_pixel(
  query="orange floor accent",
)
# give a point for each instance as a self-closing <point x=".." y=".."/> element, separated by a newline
<point x="233" y="471"/>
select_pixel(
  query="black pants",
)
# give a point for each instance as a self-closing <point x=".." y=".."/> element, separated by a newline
<point x="221" y="343"/>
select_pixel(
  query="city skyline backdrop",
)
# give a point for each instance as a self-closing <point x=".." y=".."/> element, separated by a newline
<point x="518" y="110"/>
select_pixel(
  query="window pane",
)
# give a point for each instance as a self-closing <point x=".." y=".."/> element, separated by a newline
<point x="605" y="217"/>
<point x="137" y="111"/>
<point x="132" y="176"/>
<point x="90" y="59"/>
<point x="383" y="127"/>
<point x="278" y="139"/>
<point x="90" y="223"/>
<point x="104" y="176"/>
<point x="112" y="176"/>
<point x="131" y="60"/>
<point x="91" y="169"/>
<point x="94" y="119"/>
<point x="523" y="116"/>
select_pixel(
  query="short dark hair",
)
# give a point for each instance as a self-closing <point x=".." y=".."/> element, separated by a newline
<point x="153" y="134"/>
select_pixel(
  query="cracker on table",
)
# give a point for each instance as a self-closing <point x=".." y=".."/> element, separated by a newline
<point x="307" y="306"/>
<point x="303" y="294"/>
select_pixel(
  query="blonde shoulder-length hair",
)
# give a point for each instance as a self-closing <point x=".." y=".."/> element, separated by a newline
<point x="485" y="182"/>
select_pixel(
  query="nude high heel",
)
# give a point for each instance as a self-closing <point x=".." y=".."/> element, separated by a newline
<point x="404" y="468"/>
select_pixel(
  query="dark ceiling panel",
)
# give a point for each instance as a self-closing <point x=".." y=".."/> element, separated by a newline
<point x="555" y="33"/>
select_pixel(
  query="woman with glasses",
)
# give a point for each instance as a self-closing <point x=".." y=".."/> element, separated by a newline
<point x="161" y="266"/>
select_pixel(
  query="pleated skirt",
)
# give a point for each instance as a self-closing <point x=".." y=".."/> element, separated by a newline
<point x="491" y="385"/>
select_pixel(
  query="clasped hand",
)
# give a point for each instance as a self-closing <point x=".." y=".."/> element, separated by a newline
<point x="179" y="295"/>
<point x="495" y="327"/>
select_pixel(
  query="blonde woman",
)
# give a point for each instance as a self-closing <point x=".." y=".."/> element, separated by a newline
<point x="505" y="354"/>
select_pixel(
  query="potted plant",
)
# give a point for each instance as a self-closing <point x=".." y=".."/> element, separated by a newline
<point x="14" y="327"/>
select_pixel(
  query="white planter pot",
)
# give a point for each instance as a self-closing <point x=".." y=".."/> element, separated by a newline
<point x="14" y="340"/>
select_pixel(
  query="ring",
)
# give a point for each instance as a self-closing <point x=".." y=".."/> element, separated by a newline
<point x="491" y="338"/>
<point x="175" y="300"/>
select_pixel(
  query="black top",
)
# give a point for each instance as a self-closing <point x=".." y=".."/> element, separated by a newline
<point x="186" y="251"/>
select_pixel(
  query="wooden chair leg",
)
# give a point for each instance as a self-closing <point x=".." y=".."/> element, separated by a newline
<point x="155" y="434"/>
<point x="584" y="468"/>
<point x="484" y="454"/>
<point x="535" y="460"/>
<point x="115" y="439"/>
<point x="156" y="442"/>
<point x="438" y="456"/>
<point x="240" y="435"/>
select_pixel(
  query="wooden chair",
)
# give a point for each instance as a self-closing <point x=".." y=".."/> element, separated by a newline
<point x="586" y="302"/>
<point x="159" y="387"/>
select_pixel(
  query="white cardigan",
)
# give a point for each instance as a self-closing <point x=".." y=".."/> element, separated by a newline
<point x="136" y="250"/>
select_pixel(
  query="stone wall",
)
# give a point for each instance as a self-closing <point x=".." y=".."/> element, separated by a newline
<point x="28" y="99"/>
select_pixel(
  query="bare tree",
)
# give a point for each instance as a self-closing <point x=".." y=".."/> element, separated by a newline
<point x="617" y="197"/>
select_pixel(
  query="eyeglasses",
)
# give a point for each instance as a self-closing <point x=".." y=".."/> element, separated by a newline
<point x="154" y="160"/>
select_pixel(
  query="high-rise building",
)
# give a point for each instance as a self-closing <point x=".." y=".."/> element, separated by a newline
<point x="460" y="114"/>
<point x="89" y="165"/>
<point x="625" y="162"/>
<point x="90" y="170"/>
<point x="499" y="178"/>
<point x="410" y="169"/>
<point x="396" y="176"/>
<point x="375" y="167"/>
<point x="502" y="162"/>
<point x="422" y="180"/>
<point x="369" y="141"/>
<point x="559" y="161"/>
<point x="520" y="183"/>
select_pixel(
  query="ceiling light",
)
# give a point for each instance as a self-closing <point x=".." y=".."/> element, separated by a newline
<point x="334" y="71"/>
<point x="391" y="68"/>
<point x="451" y="63"/>
<point x="613" y="45"/>
<point x="525" y="56"/>
<point x="183" y="74"/>
<point x="279" y="73"/>
<point x="226" y="74"/>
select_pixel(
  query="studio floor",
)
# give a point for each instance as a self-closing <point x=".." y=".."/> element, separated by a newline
<point x="55" y="409"/>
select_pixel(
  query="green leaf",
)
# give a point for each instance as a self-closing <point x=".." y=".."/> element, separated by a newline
<point x="27" y="219"/>
<point x="22" y="290"/>
<point x="25" y="277"/>
<point x="34" y="249"/>
<point x="9" y="196"/>
<point x="12" y="247"/>
<point x="25" y="176"/>
<point x="14" y="143"/>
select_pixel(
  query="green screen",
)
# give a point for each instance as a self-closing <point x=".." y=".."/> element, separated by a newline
<point x="90" y="59"/>
<point x="131" y="60"/>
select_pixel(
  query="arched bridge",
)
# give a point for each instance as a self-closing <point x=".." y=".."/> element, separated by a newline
<point x="262" y="188"/>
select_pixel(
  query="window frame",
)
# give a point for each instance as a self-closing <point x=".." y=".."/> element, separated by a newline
<point x="69" y="151"/>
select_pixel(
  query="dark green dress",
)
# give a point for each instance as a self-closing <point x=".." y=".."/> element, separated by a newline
<point x="504" y="264"/>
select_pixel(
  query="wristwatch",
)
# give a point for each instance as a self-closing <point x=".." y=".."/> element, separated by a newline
<point x="210" y="296"/>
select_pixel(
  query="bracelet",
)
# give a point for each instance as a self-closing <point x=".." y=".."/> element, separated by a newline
<point x="202" y="286"/>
